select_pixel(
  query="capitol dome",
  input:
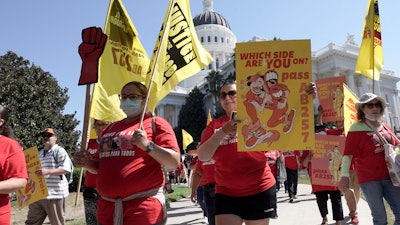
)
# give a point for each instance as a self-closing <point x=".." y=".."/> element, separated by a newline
<point x="210" y="17"/>
<point x="216" y="36"/>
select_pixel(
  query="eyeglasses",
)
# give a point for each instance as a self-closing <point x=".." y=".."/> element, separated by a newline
<point x="231" y="94"/>
<point x="131" y="97"/>
<point x="47" y="135"/>
<point x="372" y="105"/>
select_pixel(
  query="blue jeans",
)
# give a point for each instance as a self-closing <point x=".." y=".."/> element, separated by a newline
<point x="374" y="191"/>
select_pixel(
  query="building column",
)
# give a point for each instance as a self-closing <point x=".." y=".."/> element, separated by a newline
<point x="160" y="110"/>
<point x="395" y="109"/>
<point x="176" y="118"/>
<point x="350" y="80"/>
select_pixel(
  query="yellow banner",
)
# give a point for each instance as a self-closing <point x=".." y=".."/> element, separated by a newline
<point x="370" y="57"/>
<point x="275" y="110"/>
<point x="350" y="112"/>
<point x="186" y="139"/>
<point x="209" y="117"/>
<point x="36" y="188"/>
<point x="178" y="53"/>
<point x="123" y="60"/>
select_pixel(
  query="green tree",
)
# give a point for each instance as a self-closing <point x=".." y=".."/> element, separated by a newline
<point x="35" y="101"/>
<point x="192" y="117"/>
<point x="214" y="81"/>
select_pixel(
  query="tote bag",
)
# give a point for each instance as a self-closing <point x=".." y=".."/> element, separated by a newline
<point x="392" y="157"/>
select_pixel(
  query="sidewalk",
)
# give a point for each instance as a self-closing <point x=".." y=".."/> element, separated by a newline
<point x="303" y="211"/>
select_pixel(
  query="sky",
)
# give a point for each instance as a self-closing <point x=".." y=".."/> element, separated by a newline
<point x="48" y="32"/>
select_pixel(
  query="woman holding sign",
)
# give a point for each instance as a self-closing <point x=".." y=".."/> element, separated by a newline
<point x="13" y="167"/>
<point x="365" y="146"/>
<point x="245" y="186"/>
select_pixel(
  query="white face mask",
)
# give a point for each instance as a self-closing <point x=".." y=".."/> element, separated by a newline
<point x="373" y="118"/>
<point x="130" y="107"/>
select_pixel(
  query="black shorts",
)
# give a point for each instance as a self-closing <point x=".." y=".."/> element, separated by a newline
<point x="253" y="207"/>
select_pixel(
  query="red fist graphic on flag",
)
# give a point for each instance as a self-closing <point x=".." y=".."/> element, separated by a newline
<point x="90" y="50"/>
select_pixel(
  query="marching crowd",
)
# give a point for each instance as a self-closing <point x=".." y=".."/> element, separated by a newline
<point x="139" y="150"/>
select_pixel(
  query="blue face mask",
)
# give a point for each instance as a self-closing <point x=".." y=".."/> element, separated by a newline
<point x="130" y="107"/>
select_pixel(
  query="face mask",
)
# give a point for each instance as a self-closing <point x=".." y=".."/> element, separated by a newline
<point x="130" y="107"/>
<point x="372" y="118"/>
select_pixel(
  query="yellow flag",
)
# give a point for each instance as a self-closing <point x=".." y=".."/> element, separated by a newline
<point x="209" y="118"/>
<point x="124" y="59"/>
<point x="350" y="112"/>
<point x="177" y="55"/>
<point x="370" y="57"/>
<point x="186" y="139"/>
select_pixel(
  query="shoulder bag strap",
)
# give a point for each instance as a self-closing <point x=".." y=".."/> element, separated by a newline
<point x="383" y="140"/>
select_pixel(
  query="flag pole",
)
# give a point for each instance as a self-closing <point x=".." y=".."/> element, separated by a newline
<point x="84" y="141"/>
<point x="372" y="11"/>
<point x="155" y="64"/>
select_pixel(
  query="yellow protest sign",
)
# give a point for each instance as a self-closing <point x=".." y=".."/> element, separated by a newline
<point x="275" y="110"/>
<point x="36" y="188"/>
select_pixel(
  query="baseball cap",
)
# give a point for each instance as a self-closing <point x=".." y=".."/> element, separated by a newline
<point x="50" y="131"/>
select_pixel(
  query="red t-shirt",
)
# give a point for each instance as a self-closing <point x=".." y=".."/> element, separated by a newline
<point x="179" y="169"/>
<point x="207" y="170"/>
<point x="368" y="154"/>
<point x="12" y="164"/>
<point x="125" y="169"/>
<point x="336" y="132"/>
<point x="291" y="159"/>
<point x="238" y="173"/>
<point x="273" y="155"/>
<point x="90" y="178"/>
<point x="192" y="164"/>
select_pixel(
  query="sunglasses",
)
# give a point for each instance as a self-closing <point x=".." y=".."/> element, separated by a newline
<point x="223" y="95"/>
<point x="47" y="135"/>
<point x="372" y="105"/>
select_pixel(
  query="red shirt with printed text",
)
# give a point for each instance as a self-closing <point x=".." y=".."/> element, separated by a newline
<point x="238" y="173"/>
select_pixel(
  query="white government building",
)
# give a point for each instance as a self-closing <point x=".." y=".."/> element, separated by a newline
<point x="334" y="60"/>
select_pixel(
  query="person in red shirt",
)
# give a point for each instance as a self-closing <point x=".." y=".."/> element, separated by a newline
<point x="245" y="186"/>
<point x="273" y="157"/>
<point x="292" y="171"/>
<point x="204" y="177"/>
<point x="244" y="180"/>
<point x="90" y="195"/>
<point x="352" y="195"/>
<point x="366" y="148"/>
<point x="132" y="154"/>
<point x="13" y="173"/>
<point x="196" y="190"/>
<point x="323" y="193"/>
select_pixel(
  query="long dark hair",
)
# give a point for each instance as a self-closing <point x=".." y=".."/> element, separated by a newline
<point x="5" y="129"/>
